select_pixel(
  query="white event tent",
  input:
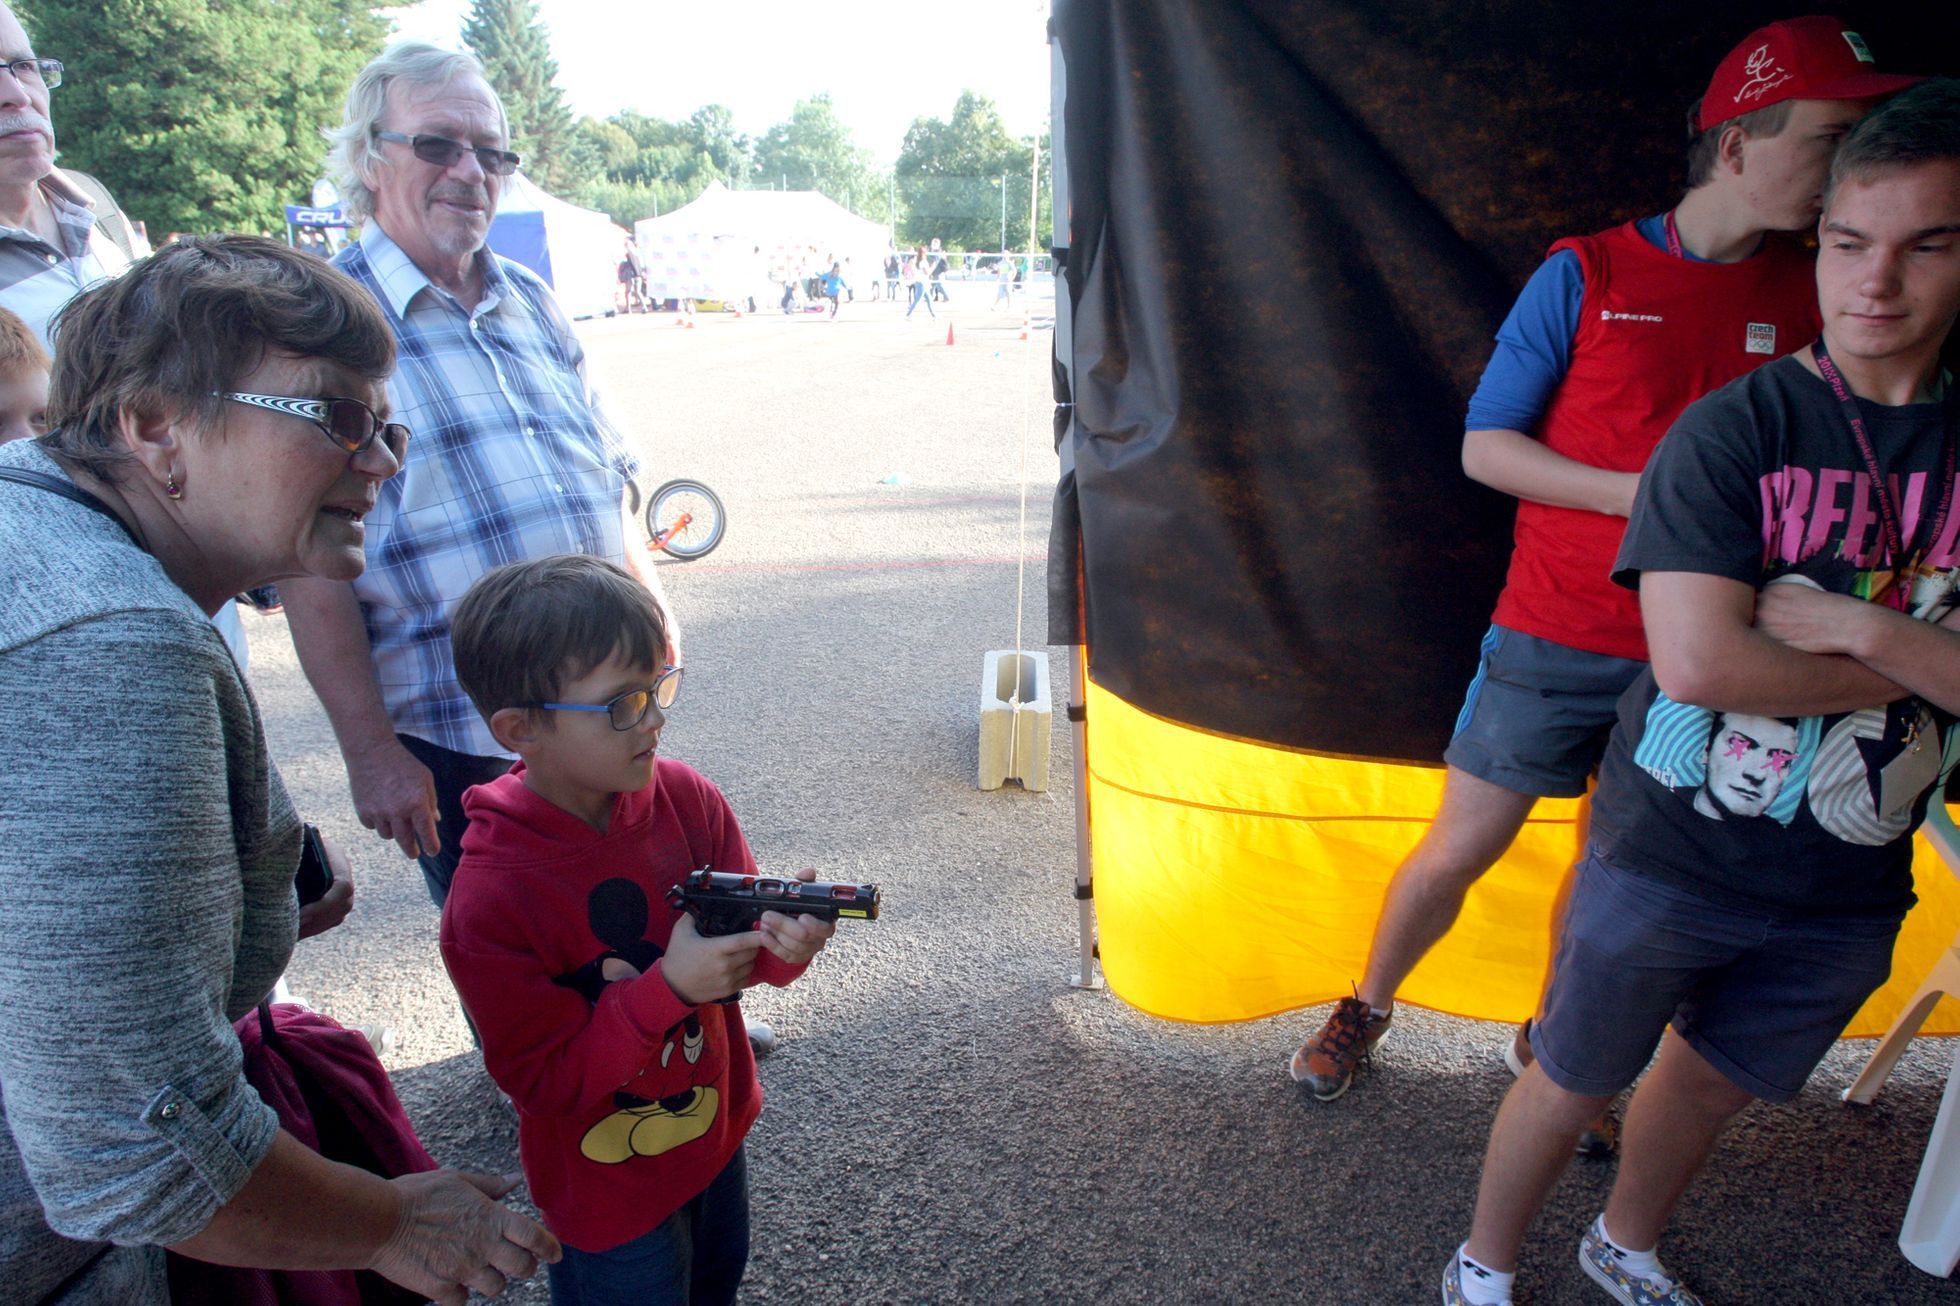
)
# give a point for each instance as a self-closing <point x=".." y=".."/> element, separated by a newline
<point x="576" y="251"/>
<point x="726" y="244"/>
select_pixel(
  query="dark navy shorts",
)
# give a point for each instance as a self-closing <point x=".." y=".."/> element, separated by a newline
<point x="1761" y="999"/>
<point x="1538" y="714"/>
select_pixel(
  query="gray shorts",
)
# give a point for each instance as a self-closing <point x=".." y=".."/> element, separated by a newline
<point x="1538" y="714"/>
<point x="1760" y="998"/>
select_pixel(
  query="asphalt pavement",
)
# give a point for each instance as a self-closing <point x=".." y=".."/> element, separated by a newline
<point x="948" y="1120"/>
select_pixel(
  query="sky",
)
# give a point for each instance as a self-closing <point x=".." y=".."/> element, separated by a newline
<point x="884" y="62"/>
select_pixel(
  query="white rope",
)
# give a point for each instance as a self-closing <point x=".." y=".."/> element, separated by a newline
<point x="1027" y="421"/>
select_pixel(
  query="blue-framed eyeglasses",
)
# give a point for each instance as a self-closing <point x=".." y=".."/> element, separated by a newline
<point x="630" y="708"/>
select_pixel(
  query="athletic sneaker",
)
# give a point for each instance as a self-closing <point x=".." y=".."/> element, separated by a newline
<point x="1601" y="1262"/>
<point x="1453" y="1284"/>
<point x="1602" y="1136"/>
<point x="1326" y="1065"/>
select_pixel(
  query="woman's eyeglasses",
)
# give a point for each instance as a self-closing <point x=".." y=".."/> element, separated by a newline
<point x="630" y="708"/>
<point x="349" y="423"/>
<point x="445" y="153"/>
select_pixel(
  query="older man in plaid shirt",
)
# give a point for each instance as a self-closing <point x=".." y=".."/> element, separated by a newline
<point x="511" y="457"/>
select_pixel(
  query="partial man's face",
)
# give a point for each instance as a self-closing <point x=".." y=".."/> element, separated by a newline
<point x="1783" y="175"/>
<point x="26" y="131"/>
<point x="1747" y="761"/>
<point x="424" y="207"/>
<point x="1888" y="269"/>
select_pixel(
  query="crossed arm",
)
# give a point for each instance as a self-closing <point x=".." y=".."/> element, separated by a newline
<point x="1791" y="651"/>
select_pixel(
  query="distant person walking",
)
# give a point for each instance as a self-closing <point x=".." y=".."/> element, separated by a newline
<point x="935" y="272"/>
<point x="833" y="286"/>
<point x="1004" y="281"/>
<point x="891" y="276"/>
<point x="913" y="273"/>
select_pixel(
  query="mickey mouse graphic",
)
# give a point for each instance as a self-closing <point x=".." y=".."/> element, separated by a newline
<point x="618" y="913"/>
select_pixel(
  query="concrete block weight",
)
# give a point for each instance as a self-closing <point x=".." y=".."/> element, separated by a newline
<point x="1014" y="744"/>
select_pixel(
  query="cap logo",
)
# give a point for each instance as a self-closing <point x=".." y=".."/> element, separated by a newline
<point x="1858" y="47"/>
<point x="1765" y="74"/>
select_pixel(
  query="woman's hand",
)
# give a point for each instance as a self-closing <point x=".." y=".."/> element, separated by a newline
<point x="453" y="1237"/>
<point x="331" y="908"/>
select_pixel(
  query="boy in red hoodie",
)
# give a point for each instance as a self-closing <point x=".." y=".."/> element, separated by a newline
<point x="595" y="1000"/>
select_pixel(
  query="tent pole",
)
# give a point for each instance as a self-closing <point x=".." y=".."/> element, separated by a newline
<point x="1086" y="975"/>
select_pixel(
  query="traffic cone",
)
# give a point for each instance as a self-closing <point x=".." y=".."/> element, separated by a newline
<point x="1025" y="323"/>
<point x="949" y="333"/>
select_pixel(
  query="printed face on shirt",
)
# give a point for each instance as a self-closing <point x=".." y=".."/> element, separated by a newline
<point x="26" y="132"/>
<point x="1748" y="759"/>
<point x="1783" y="175"/>
<point x="437" y="214"/>
<point x="1888" y="270"/>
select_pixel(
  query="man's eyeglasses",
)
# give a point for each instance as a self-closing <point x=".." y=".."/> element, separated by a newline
<point x="630" y="708"/>
<point x="45" y="71"/>
<point x="445" y="153"/>
<point x="349" y="423"/>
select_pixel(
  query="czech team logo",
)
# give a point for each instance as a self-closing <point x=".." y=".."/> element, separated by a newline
<point x="1760" y="338"/>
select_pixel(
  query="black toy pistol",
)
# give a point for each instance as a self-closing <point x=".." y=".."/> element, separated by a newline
<point x="729" y="904"/>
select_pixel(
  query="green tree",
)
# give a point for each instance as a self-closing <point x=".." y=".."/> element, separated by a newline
<point x="964" y="179"/>
<point x="510" y="39"/>
<point x="200" y="116"/>
<point x="711" y="130"/>
<point x="813" y="150"/>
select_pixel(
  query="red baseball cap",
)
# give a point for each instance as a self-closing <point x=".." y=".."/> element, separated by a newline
<point x="1812" y="58"/>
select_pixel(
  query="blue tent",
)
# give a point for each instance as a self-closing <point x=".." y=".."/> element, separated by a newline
<point x="576" y="251"/>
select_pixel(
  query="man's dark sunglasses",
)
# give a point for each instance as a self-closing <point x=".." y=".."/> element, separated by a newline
<point x="349" y="423"/>
<point x="445" y="153"/>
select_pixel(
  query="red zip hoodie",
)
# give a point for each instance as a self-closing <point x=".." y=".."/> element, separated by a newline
<point x="629" y="1101"/>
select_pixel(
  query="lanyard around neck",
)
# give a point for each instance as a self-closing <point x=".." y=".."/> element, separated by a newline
<point x="1890" y="519"/>
<point x="1673" y="234"/>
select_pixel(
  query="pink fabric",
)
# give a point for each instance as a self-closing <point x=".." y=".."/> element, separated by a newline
<point x="332" y="1093"/>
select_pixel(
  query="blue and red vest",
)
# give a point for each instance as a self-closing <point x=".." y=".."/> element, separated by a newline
<point x="1656" y="332"/>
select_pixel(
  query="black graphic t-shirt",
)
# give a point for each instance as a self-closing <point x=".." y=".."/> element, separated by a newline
<point x="1762" y="482"/>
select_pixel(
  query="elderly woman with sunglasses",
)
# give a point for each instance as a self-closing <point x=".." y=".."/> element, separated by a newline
<point x="216" y="429"/>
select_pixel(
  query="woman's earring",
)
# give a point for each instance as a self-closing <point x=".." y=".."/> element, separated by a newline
<point x="170" y="486"/>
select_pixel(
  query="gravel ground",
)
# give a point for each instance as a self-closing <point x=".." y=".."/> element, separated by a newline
<point x="948" y="1120"/>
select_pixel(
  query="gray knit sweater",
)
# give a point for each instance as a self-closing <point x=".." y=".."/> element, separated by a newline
<point x="147" y="850"/>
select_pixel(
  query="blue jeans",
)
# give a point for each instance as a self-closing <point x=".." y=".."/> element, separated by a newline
<point x="695" y="1257"/>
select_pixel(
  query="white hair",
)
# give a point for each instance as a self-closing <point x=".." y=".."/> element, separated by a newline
<point x="351" y="161"/>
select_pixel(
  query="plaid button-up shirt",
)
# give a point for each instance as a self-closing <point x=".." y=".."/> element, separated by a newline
<point x="37" y="278"/>
<point x="511" y="459"/>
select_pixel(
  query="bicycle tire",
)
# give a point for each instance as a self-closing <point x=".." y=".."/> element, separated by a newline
<point x="702" y="534"/>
